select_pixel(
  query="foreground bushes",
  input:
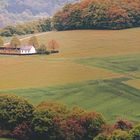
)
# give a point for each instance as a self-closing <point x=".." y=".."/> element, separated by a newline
<point x="14" y="111"/>
<point x="119" y="135"/>
<point x="54" y="121"/>
<point x="135" y="133"/>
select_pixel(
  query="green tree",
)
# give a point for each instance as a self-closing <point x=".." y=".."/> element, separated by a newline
<point x="92" y="123"/>
<point x="8" y="31"/>
<point x="57" y="22"/>
<point x="5" y="32"/>
<point x="42" y="49"/>
<point x="58" y="109"/>
<point x="45" y="126"/>
<point x="14" y="111"/>
<point x="15" y="42"/>
<point x="1" y="42"/>
<point x="45" y="25"/>
<point x="34" y="42"/>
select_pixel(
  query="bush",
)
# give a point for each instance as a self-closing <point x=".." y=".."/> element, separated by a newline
<point x="57" y="109"/>
<point x="102" y="136"/>
<point x="71" y="129"/>
<point x="45" y="125"/>
<point x="92" y="123"/>
<point x="108" y="129"/>
<point x="135" y="133"/>
<point x="42" y="49"/>
<point x="119" y="135"/>
<point x="123" y="125"/>
<point x="14" y="111"/>
<point x="22" y="131"/>
<point x="76" y="113"/>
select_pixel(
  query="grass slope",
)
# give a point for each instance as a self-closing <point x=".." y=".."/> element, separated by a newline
<point x="97" y="70"/>
<point x="122" y="64"/>
<point x="111" y="97"/>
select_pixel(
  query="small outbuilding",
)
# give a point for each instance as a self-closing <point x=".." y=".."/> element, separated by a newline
<point x="27" y="50"/>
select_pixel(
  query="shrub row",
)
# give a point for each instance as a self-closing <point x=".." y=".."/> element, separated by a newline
<point x="54" y="121"/>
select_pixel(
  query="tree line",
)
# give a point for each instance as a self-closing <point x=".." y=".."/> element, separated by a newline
<point x="87" y="14"/>
<point x="41" y="25"/>
<point x="98" y="14"/>
<point x="51" y="47"/>
<point x="20" y="120"/>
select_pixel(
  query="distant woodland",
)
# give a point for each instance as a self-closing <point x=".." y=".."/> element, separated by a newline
<point x="87" y="14"/>
<point x="31" y="27"/>
<point x="98" y="14"/>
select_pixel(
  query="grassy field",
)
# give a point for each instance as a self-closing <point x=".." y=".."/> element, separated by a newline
<point x="97" y="70"/>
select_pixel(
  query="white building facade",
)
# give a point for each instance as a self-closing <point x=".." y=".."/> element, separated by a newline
<point x="28" y="50"/>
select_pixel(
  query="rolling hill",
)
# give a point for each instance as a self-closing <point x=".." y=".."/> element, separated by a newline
<point x="95" y="69"/>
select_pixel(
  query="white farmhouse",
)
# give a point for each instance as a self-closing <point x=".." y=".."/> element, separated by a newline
<point x="27" y="50"/>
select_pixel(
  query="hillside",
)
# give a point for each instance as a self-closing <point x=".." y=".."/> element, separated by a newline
<point x="18" y="11"/>
<point x="85" y="14"/>
<point x="97" y="70"/>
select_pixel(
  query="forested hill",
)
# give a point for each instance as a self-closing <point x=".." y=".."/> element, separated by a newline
<point x="99" y="14"/>
<point x="84" y="14"/>
<point x="17" y="11"/>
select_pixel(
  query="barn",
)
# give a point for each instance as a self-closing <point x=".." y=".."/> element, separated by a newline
<point x="27" y="50"/>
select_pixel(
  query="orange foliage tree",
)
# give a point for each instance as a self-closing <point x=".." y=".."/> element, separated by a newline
<point x="53" y="45"/>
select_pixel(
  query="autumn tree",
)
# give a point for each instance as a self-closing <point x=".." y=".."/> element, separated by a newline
<point x="123" y="125"/>
<point x="92" y="122"/>
<point x="98" y="14"/>
<point x="1" y="42"/>
<point x="53" y="45"/>
<point x="34" y="42"/>
<point x="59" y="110"/>
<point x="15" y="42"/>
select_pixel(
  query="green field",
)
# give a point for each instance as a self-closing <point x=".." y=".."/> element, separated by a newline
<point x="97" y="70"/>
